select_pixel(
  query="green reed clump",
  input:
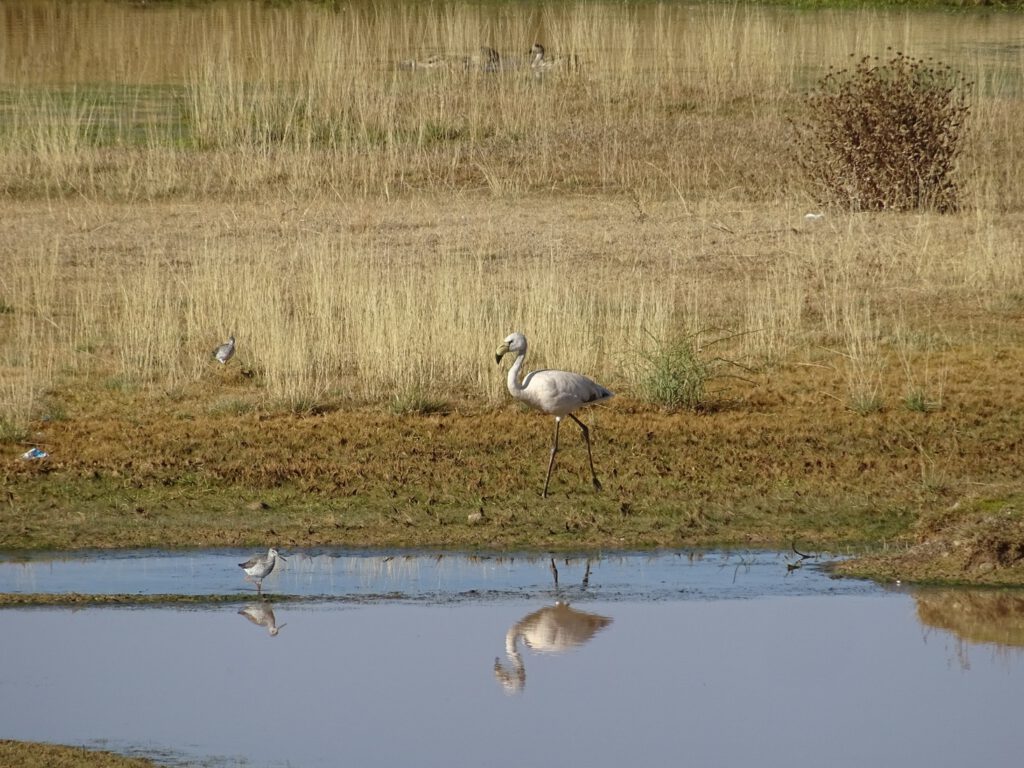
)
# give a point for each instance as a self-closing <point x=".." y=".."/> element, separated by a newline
<point x="675" y="375"/>
<point x="886" y="135"/>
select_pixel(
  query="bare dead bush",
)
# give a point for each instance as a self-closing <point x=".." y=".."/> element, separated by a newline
<point x="885" y="135"/>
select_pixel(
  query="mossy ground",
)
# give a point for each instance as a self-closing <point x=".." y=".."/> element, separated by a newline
<point x="779" y="462"/>
<point x="980" y="542"/>
<point x="23" y="754"/>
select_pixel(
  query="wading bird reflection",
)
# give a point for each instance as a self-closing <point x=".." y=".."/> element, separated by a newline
<point x="556" y="393"/>
<point x="262" y="615"/>
<point x="258" y="567"/>
<point x="554" y="629"/>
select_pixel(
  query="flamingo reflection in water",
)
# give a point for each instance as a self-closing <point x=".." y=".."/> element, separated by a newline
<point x="554" y="629"/>
<point x="262" y="615"/>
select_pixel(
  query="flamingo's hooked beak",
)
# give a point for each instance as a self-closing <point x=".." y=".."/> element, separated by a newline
<point x="501" y="352"/>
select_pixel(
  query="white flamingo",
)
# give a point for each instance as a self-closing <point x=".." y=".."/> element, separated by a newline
<point x="556" y="393"/>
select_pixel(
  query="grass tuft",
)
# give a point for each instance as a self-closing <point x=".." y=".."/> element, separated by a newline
<point x="12" y="431"/>
<point x="918" y="402"/>
<point x="675" y="375"/>
<point x="415" y="401"/>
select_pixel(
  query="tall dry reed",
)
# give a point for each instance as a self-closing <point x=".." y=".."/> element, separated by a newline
<point x="326" y="320"/>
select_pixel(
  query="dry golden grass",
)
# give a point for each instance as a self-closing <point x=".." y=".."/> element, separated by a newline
<point x="354" y="303"/>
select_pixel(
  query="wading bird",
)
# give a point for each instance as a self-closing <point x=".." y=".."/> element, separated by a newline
<point x="225" y="351"/>
<point x="259" y="567"/>
<point x="556" y="393"/>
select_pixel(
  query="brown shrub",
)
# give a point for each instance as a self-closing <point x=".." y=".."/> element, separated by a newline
<point x="885" y="135"/>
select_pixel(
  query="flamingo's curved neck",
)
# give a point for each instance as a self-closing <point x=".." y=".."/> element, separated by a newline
<point x="514" y="385"/>
<point x="510" y="643"/>
<point x="512" y="679"/>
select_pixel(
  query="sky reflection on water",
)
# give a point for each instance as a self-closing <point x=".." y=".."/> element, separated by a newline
<point x="823" y="673"/>
<point x="848" y="681"/>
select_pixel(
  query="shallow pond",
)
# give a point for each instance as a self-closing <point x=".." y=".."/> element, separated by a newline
<point x="709" y="658"/>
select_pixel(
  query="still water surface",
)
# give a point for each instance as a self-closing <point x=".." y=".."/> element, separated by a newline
<point x="421" y="575"/>
<point x="710" y="660"/>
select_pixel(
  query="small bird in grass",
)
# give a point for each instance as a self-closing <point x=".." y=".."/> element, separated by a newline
<point x="225" y="351"/>
<point x="556" y="393"/>
<point x="541" y="62"/>
<point x="259" y="567"/>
